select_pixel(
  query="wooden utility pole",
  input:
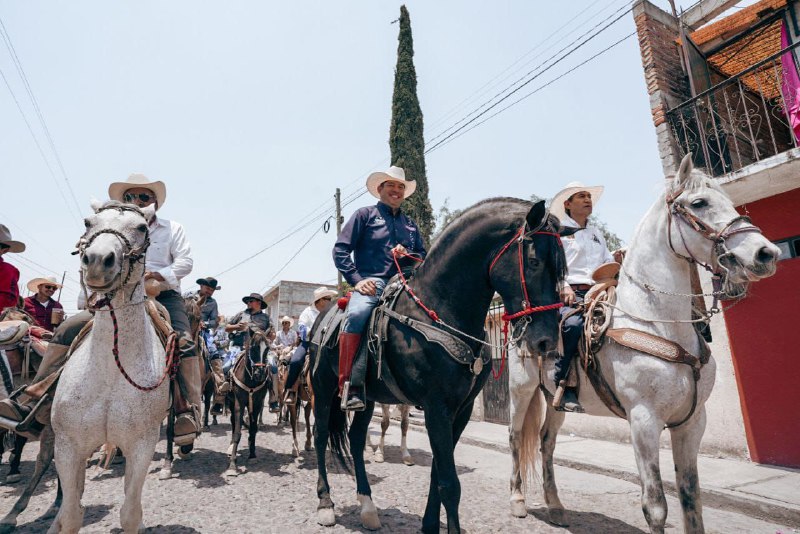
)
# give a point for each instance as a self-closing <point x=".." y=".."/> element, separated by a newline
<point x="339" y="221"/>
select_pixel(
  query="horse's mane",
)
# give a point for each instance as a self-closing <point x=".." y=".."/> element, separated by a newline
<point x="510" y="214"/>
<point x="116" y="204"/>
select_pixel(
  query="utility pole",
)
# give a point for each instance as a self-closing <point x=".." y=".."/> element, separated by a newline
<point x="339" y="221"/>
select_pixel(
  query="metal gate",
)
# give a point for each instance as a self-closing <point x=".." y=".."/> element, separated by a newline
<point x="495" y="393"/>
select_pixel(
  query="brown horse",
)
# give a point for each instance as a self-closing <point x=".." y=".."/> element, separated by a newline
<point x="301" y="396"/>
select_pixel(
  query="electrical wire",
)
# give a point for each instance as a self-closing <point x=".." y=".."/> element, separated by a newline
<point x="303" y="246"/>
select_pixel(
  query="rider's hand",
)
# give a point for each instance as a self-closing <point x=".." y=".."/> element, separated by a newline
<point x="367" y="287"/>
<point x="567" y="295"/>
<point x="619" y="255"/>
<point x="242" y="327"/>
<point x="155" y="276"/>
<point x="399" y="249"/>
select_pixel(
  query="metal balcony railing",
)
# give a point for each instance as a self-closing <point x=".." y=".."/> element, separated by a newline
<point x="739" y="121"/>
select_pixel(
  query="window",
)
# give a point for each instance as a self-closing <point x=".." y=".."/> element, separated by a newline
<point x="790" y="248"/>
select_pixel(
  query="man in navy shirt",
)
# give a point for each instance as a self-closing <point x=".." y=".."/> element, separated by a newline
<point x="371" y="236"/>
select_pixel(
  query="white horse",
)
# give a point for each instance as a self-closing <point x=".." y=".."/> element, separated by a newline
<point x="94" y="402"/>
<point x="694" y="220"/>
<point x="378" y="452"/>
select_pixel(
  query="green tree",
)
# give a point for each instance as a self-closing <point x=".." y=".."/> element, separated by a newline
<point x="406" y="139"/>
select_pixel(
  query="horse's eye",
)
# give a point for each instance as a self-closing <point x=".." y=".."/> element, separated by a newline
<point x="142" y="228"/>
<point x="87" y="223"/>
<point x="699" y="203"/>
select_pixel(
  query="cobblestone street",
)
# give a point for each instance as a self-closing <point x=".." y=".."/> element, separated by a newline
<point x="277" y="493"/>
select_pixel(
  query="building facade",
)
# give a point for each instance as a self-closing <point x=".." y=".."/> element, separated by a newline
<point x="290" y="298"/>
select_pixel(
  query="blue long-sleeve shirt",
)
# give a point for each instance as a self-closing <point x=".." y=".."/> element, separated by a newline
<point x="370" y="235"/>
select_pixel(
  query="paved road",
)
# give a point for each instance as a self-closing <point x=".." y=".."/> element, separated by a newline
<point x="277" y="494"/>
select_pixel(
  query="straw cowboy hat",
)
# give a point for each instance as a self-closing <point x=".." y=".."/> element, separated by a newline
<point x="395" y="174"/>
<point x="33" y="285"/>
<point x="117" y="189"/>
<point x="287" y="319"/>
<point x="322" y="292"/>
<point x="209" y="281"/>
<point x="5" y="239"/>
<point x="255" y="296"/>
<point x="557" y="204"/>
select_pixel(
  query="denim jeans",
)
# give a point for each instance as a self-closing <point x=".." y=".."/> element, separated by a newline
<point x="360" y="307"/>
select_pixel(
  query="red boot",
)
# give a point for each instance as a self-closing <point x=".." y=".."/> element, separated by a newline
<point x="348" y="346"/>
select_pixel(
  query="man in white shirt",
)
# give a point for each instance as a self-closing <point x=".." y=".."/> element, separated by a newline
<point x="585" y="251"/>
<point x="286" y="338"/>
<point x="168" y="260"/>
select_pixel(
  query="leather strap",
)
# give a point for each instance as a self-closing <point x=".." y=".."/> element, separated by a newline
<point x="657" y="346"/>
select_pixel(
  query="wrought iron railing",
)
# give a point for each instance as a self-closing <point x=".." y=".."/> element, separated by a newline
<point x="739" y="121"/>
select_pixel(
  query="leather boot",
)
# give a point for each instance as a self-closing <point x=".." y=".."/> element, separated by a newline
<point x="187" y="425"/>
<point x="223" y="386"/>
<point x="14" y="411"/>
<point x="348" y="346"/>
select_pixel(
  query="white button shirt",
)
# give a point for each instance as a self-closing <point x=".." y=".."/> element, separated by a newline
<point x="170" y="253"/>
<point x="585" y="250"/>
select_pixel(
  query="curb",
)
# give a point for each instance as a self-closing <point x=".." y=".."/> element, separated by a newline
<point x="714" y="497"/>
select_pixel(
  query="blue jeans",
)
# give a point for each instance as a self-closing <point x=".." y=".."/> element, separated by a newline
<point x="296" y="365"/>
<point x="360" y="307"/>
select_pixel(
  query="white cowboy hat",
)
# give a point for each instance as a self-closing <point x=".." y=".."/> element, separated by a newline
<point x="287" y="319"/>
<point x="557" y="204"/>
<point x="33" y="285"/>
<point x="395" y="174"/>
<point x="5" y="238"/>
<point x="322" y="292"/>
<point x="117" y="189"/>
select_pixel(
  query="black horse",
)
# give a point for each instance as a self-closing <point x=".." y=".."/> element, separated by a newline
<point x="502" y="245"/>
<point x="251" y="383"/>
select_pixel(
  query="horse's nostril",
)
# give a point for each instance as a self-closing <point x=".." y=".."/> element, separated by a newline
<point x="109" y="260"/>
<point x="85" y="259"/>
<point x="765" y="255"/>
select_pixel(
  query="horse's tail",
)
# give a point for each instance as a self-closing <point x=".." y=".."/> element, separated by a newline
<point x="530" y="438"/>
<point x="337" y="435"/>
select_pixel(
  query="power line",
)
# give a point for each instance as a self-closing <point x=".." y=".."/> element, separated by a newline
<point x="279" y="271"/>
<point x="21" y="72"/>
<point x="509" y="92"/>
<point x="531" y="93"/>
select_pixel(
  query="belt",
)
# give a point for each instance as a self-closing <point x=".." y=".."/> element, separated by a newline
<point x="581" y="287"/>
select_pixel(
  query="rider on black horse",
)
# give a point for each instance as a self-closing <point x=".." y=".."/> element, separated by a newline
<point x="372" y="235"/>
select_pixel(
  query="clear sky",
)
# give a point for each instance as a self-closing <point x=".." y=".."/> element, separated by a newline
<point x="254" y="112"/>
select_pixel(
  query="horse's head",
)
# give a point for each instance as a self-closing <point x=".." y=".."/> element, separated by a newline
<point x="704" y="227"/>
<point x="526" y="271"/>
<point x="112" y="249"/>
<point x="256" y="357"/>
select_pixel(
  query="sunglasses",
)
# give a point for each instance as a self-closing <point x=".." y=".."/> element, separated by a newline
<point x="144" y="197"/>
<point x="51" y="287"/>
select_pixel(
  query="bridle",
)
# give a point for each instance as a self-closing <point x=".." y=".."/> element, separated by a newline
<point x="132" y="254"/>
<point x="718" y="237"/>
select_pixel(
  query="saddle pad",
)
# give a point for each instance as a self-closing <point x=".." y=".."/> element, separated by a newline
<point x="659" y="347"/>
<point x="12" y="332"/>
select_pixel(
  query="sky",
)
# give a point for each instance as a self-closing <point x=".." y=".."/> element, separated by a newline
<point x="253" y="113"/>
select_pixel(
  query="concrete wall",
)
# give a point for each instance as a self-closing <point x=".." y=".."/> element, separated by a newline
<point x="290" y="298"/>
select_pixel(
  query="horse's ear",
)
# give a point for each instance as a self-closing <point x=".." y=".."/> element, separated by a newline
<point x="149" y="211"/>
<point x="95" y="204"/>
<point x="684" y="171"/>
<point x="536" y="216"/>
<point x="566" y="231"/>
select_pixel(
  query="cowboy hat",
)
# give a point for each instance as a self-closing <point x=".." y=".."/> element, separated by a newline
<point x="557" y="204"/>
<point x="33" y="285"/>
<point x="287" y="319"/>
<point x="322" y="292"/>
<point x="395" y="174"/>
<point x="209" y="281"/>
<point x="117" y="189"/>
<point x="255" y="296"/>
<point x="5" y="239"/>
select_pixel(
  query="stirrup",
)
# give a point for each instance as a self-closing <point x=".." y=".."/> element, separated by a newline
<point x="351" y="404"/>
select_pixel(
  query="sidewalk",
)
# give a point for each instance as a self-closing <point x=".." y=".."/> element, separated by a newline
<point x="766" y="492"/>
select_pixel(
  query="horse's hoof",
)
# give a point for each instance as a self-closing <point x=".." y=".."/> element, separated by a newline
<point x="369" y="513"/>
<point x="408" y="460"/>
<point x="165" y="474"/>
<point x="184" y="455"/>
<point x="518" y="509"/>
<point x="556" y="517"/>
<point x="206" y="428"/>
<point x="232" y="472"/>
<point x="13" y="479"/>
<point x="326" y="517"/>
<point x="378" y="457"/>
<point x="308" y="447"/>
<point x="230" y="450"/>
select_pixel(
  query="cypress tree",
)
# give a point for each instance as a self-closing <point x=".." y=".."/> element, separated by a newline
<point x="406" y="134"/>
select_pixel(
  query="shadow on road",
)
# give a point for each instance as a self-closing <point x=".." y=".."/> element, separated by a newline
<point x="589" y="522"/>
<point x="392" y="519"/>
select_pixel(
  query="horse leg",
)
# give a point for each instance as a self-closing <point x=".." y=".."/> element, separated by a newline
<point x="552" y="423"/>
<point x="43" y="460"/>
<point x="358" y="440"/>
<point x="385" y="420"/>
<point x="685" y="446"/>
<point x="253" y="428"/>
<point x="14" y="475"/>
<point x="443" y="434"/>
<point x="237" y="416"/>
<point x="208" y="395"/>
<point x="325" y="514"/>
<point x="71" y="466"/>
<point x="645" y="432"/>
<point x="404" y="410"/>
<point x="521" y="396"/>
<point x="166" y="464"/>
<point x="137" y="462"/>
<point x="293" y="424"/>
<point x="307" y="410"/>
